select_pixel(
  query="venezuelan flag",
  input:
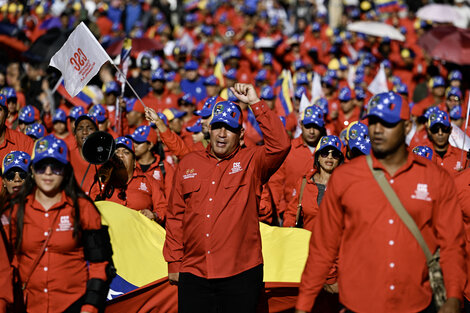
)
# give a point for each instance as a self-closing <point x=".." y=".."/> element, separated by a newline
<point x="81" y="99"/>
<point x="126" y="50"/>
<point x="219" y="71"/>
<point x="386" y="5"/>
<point x="141" y="284"/>
<point x="285" y="95"/>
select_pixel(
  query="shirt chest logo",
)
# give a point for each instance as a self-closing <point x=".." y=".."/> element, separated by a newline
<point x="458" y="166"/>
<point x="156" y="175"/>
<point x="421" y="193"/>
<point x="143" y="187"/>
<point x="189" y="174"/>
<point x="236" y="167"/>
<point x="65" y="224"/>
<point x="5" y="220"/>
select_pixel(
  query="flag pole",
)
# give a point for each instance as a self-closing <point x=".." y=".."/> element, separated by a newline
<point x="466" y="127"/>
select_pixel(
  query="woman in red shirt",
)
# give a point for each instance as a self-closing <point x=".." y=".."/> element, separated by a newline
<point x="61" y="250"/>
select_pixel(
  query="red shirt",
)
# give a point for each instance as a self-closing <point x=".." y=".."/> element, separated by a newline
<point x="342" y="122"/>
<point x="62" y="273"/>
<point x="141" y="193"/>
<point x="84" y="172"/>
<point x="6" y="292"/>
<point x="155" y="172"/>
<point x="309" y="203"/>
<point x="165" y="101"/>
<point x="298" y="162"/>
<point x="212" y="221"/>
<point x="381" y="267"/>
<point x="462" y="181"/>
<point x="451" y="160"/>
<point x="15" y="141"/>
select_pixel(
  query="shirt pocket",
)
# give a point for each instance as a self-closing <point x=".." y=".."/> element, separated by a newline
<point x="189" y="188"/>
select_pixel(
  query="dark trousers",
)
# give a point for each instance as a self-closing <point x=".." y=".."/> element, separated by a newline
<point x="430" y="309"/>
<point x="466" y="305"/>
<point x="239" y="293"/>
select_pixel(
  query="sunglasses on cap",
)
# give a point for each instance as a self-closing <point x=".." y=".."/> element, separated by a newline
<point x="56" y="167"/>
<point x="445" y="129"/>
<point x="10" y="175"/>
<point x="334" y="153"/>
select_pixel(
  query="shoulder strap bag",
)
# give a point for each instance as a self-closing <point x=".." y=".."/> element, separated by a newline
<point x="299" y="221"/>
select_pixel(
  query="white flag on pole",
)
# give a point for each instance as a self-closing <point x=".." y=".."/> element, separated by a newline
<point x="379" y="84"/>
<point x="317" y="90"/>
<point x="79" y="59"/>
<point x="304" y="103"/>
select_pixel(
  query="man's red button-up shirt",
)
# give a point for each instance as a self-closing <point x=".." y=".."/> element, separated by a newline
<point x="212" y="220"/>
<point x="381" y="266"/>
<point x="454" y="160"/>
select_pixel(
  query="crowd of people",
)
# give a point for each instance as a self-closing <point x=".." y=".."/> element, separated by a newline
<point x="240" y="112"/>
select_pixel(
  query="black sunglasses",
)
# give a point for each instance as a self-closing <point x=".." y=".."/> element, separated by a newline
<point x="10" y="175"/>
<point x="56" y="167"/>
<point x="334" y="153"/>
<point x="445" y="129"/>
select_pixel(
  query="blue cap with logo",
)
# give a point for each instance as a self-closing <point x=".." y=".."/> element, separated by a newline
<point x="99" y="112"/>
<point x="302" y="79"/>
<point x="191" y="65"/>
<point x="357" y="135"/>
<point x="456" y="113"/>
<point x="163" y="118"/>
<point x="389" y="107"/>
<point x="170" y="76"/>
<point x="16" y="159"/>
<point x="206" y="110"/>
<point x="231" y="74"/>
<point x="159" y="74"/>
<point x="439" y="117"/>
<point x="423" y="151"/>
<point x="173" y="113"/>
<point x="10" y="93"/>
<point x="196" y="127"/>
<point x="35" y="130"/>
<point x="298" y="64"/>
<point x="455" y="75"/>
<point x="59" y="116"/>
<point x="330" y="141"/>
<point x="454" y="92"/>
<point x="50" y="147"/>
<point x="267" y="93"/>
<point x="211" y="81"/>
<point x="144" y="133"/>
<point x="89" y="117"/>
<point x="360" y="93"/>
<point x="430" y="111"/>
<point x="267" y="58"/>
<point x="27" y="115"/>
<point x="112" y="87"/>
<point x="437" y="81"/>
<point x="228" y="113"/>
<point x="322" y="103"/>
<point x="299" y="91"/>
<point x="312" y="115"/>
<point x="316" y="27"/>
<point x="402" y="89"/>
<point x="75" y="112"/>
<point x="261" y="76"/>
<point x="235" y="53"/>
<point x="344" y="94"/>
<point x="124" y="142"/>
<point x="187" y="98"/>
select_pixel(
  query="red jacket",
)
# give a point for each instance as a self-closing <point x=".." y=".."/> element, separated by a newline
<point x="155" y="172"/>
<point x="212" y="221"/>
<point x="381" y="266"/>
<point x="62" y="273"/>
<point x="454" y="160"/>
<point x="462" y="181"/>
<point x="84" y="172"/>
<point x="6" y="292"/>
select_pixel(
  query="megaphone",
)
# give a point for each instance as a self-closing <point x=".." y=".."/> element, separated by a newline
<point x="98" y="147"/>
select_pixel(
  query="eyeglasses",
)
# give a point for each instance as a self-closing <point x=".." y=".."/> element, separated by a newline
<point x="335" y="154"/>
<point x="56" y="168"/>
<point x="445" y="129"/>
<point x="10" y="175"/>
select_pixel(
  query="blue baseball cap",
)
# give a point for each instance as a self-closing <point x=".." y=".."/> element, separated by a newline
<point x="330" y="141"/>
<point x="206" y="110"/>
<point x="402" y="89"/>
<point x="267" y="93"/>
<point x="3" y="101"/>
<point x="211" y="81"/>
<point x="387" y="64"/>
<point x="360" y="93"/>
<point x="112" y="87"/>
<point x="27" y="115"/>
<point x="262" y="75"/>
<point x="163" y="118"/>
<point x="456" y="113"/>
<point x="389" y="107"/>
<point x="315" y="27"/>
<point x="423" y="151"/>
<point x="312" y="115"/>
<point x="75" y="112"/>
<point x="207" y="30"/>
<point x="327" y="80"/>
<point x="16" y="159"/>
<point x="439" y="117"/>
<point x="322" y="103"/>
<point x="437" y="81"/>
<point x="298" y="64"/>
<point x="430" y="111"/>
<point x="358" y="79"/>
<point x="235" y="53"/>
<point x="50" y="147"/>
<point x="59" y="116"/>
<point x="99" y="112"/>
<point x="344" y="94"/>
<point x="35" y="130"/>
<point x="124" y="142"/>
<point x="302" y="79"/>
<point x="455" y="75"/>
<point x="170" y="76"/>
<point x="228" y="113"/>
<point x="10" y="93"/>
<point x="173" y="113"/>
<point x="454" y="92"/>
<point x="196" y="127"/>
<point x="144" y="133"/>
<point x="357" y="135"/>
<point x="231" y="74"/>
<point x="299" y="91"/>
<point x="187" y="98"/>
<point x="267" y="58"/>
<point x="89" y="117"/>
<point x="159" y="74"/>
<point x="191" y="65"/>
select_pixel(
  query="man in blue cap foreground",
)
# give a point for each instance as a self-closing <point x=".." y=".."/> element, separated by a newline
<point x="216" y="263"/>
<point x="381" y="266"/>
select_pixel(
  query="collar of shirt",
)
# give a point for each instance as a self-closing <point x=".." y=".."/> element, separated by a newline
<point x="411" y="158"/>
<point x="298" y="142"/>
<point x="31" y="200"/>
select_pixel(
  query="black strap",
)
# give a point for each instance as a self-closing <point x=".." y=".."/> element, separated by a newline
<point x="86" y="172"/>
